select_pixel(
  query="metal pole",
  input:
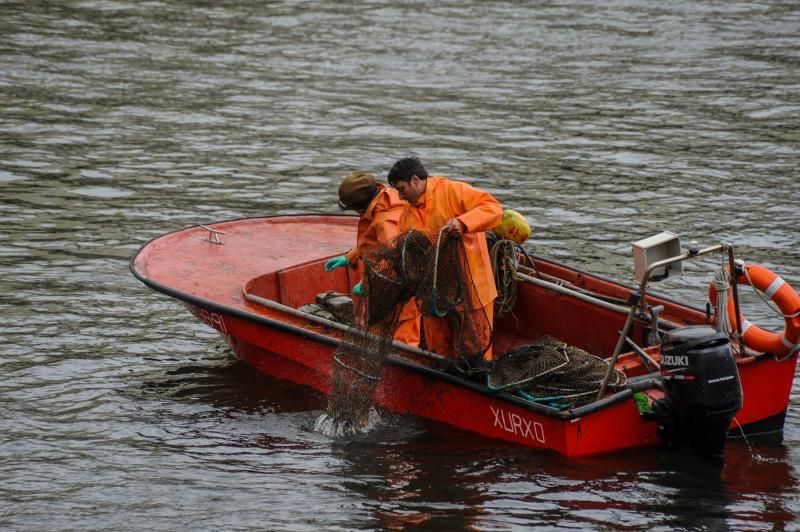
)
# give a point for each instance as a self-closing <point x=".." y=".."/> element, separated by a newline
<point x="560" y="289"/>
<point x="617" y="350"/>
<point x="735" y="290"/>
<point x="651" y="364"/>
<point x="642" y="299"/>
<point x="274" y="305"/>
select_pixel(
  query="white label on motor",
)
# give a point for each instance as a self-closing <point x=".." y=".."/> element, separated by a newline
<point x="720" y="379"/>
<point x="675" y="360"/>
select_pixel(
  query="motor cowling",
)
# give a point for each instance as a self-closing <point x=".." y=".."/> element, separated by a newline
<point x="702" y="387"/>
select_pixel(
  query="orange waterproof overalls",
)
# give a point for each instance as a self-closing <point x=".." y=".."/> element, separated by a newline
<point x="378" y="225"/>
<point x="443" y="200"/>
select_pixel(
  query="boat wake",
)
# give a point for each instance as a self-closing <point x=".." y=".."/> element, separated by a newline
<point x="331" y="427"/>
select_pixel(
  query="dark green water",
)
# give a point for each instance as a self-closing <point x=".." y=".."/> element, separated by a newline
<point x="603" y="124"/>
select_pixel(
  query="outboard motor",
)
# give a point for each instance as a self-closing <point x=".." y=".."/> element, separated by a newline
<point x="702" y="388"/>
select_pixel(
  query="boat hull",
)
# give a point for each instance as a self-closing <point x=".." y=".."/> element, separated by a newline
<point x="280" y="260"/>
<point x="304" y="356"/>
<point x="410" y="388"/>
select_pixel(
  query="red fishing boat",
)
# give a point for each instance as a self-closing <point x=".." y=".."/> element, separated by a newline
<point x="246" y="279"/>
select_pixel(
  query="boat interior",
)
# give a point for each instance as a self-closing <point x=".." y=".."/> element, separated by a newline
<point x="578" y="308"/>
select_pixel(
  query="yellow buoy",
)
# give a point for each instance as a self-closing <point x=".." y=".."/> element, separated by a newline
<point x="513" y="226"/>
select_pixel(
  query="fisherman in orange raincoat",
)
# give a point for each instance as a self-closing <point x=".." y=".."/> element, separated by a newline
<point x="379" y="209"/>
<point x="465" y="212"/>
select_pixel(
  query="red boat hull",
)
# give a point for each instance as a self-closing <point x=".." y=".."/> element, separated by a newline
<point x="410" y="388"/>
<point x="281" y="259"/>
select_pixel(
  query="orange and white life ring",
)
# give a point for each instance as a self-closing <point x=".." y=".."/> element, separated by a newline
<point x="783" y="295"/>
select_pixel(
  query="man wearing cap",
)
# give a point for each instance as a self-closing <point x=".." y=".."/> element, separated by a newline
<point x="379" y="209"/>
<point x="464" y="212"/>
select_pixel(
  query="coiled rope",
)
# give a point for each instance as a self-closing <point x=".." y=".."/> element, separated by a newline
<point x="504" y="265"/>
<point x="722" y="285"/>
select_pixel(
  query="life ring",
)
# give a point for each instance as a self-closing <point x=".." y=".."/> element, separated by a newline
<point x="783" y="295"/>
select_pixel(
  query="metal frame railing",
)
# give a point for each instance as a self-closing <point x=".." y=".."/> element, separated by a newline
<point x="640" y="300"/>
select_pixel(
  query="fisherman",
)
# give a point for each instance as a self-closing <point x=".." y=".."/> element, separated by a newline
<point x="379" y="209"/>
<point x="464" y="212"/>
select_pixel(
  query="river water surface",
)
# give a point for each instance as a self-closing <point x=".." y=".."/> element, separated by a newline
<point x="603" y="124"/>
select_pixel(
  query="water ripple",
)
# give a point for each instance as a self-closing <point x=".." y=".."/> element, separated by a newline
<point x="603" y="124"/>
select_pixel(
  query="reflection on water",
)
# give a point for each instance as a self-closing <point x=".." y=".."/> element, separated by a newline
<point x="500" y="485"/>
<point x="603" y="124"/>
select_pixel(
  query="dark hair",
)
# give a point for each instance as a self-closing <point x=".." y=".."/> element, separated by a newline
<point x="405" y="169"/>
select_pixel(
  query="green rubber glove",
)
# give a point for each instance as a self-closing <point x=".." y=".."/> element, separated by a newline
<point x="337" y="262"/>
<point x="358" y="290"/>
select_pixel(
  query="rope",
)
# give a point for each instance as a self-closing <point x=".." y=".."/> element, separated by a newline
<point x="722" y="285"/>
<point x="403" y="256"/>
<point x="528" y="258"/>
<point x="357" y="371"/>
<point x="435" y="310"/>
<point x="504" y="265"/>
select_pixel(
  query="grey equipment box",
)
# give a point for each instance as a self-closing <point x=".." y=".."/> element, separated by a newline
<point x="653" y="249"/>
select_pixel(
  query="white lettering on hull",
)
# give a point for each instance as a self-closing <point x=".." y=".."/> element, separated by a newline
<point x="518" y="425"/>
<point x="211" y="318"/>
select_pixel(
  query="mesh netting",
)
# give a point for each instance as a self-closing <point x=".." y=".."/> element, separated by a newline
<point x="549" y="370"/>
<point x="435" y="272"/>
<point x="357" y="369"/>
<point x="445" y="289"/>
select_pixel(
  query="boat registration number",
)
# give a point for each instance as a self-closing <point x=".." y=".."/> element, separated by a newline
<point x="210" y="318"/>
<point x="518" y="425"/>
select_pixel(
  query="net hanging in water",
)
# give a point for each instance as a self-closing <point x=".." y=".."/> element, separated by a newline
<point x="433" y="271"/>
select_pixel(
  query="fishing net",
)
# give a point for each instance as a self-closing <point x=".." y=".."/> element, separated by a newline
<point x="552" y="372"/>
<point x="435" y="272"/>
<point x="357" y="364"/>
<point x="445" y="289"/>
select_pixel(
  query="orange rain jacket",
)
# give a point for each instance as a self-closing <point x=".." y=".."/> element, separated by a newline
<point x="379" y="223"/>
<point x="445" y="199"/>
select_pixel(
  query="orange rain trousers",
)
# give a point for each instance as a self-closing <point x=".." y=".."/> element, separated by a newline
<point x="439" y="332"/>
